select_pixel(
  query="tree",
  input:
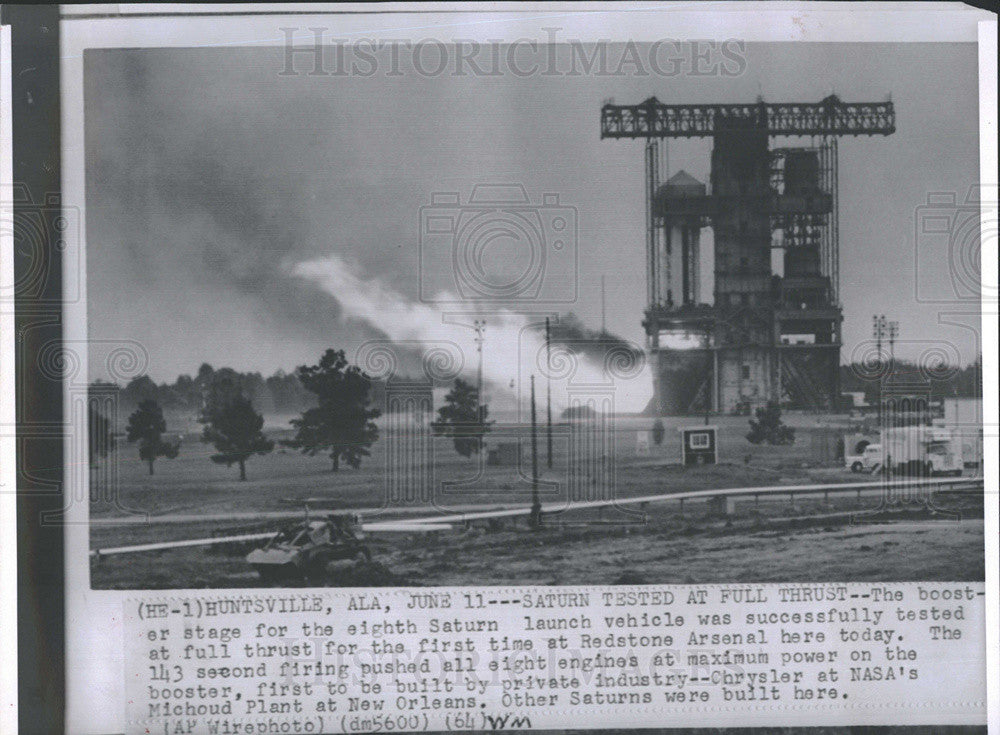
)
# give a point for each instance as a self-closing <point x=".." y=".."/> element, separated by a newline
<point x="205" y="373"/>
<point x="220" y="388"/>
<point x="341" y="424"/>
<point x="658" y="432"/>
<point x="138" y="390"/>
<point x="146" y="426"/>
<point x="769" y="428"/>
<point x="462" y="418"/>
<point x="234" y="428"/>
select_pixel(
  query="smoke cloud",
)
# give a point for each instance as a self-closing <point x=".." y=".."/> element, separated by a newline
<point x="513" y="347"/>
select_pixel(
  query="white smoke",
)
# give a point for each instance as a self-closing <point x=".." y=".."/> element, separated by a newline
<point x="513" y="347"/>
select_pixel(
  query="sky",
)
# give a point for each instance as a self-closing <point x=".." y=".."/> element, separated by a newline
<point x="215" y="185"/>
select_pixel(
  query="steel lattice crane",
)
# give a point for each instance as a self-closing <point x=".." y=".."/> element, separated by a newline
<point x="766" y="336"/>
<point x="831" y="116"/>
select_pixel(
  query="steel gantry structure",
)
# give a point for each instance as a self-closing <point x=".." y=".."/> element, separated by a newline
<point x="768" y="334"/>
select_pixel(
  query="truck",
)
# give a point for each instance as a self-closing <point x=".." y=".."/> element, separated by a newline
<point x="914" y="451"/>
<point x="854" y="451"/>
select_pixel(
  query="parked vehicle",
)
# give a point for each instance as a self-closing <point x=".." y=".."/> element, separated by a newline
<point x="914" y="451"/>
<point x="854" y="456"/>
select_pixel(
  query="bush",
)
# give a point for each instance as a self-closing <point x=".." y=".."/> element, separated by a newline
<point x="658" y="432"/>
<point x="769" y="428"/>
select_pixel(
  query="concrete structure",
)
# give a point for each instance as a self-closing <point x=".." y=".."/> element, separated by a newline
<point x="768" y="333"/>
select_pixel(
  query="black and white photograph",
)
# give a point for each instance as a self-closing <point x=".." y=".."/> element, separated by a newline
<point x="579" y="367"/>
<point x="467" y="314"/>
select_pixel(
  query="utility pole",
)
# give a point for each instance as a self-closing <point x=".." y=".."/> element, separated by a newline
<point x="535" y="519"/>
<point x="480" y="327"/>
<point x="604" y="329"/>
<point x="548" y="394"/>
<point x="893" y="333"/>
<point x="878" y="332"/>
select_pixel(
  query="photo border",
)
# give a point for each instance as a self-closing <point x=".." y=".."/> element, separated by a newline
<point x="173" y="25"/>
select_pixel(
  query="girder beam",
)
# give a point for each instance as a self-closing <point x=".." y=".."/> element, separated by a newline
<point x="831" y="116"/>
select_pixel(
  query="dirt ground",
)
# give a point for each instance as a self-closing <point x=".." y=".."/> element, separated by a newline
<point x="812" y="541"/>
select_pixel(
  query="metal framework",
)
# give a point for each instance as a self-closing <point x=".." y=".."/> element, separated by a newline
<point x="768" y="336"/>
<point x="831" y="116"/>
<point x="818" y="228"/>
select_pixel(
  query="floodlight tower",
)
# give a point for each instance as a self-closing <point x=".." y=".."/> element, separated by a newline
<point x="879" y="331"/>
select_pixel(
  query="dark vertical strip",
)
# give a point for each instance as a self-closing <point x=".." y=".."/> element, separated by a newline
<point x="35" y="97"/>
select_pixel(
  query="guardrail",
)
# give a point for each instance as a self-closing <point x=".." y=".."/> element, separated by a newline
<point x="951" y="484"/>
<point x="445" y="522"/>
<point x="159" y="545"/>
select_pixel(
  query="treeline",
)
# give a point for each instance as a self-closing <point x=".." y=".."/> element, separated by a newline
<point x="339" y="423"/>
<point x="280" y="393"/>
<point x="944" y="381"/>
<point x="333" y="405"/>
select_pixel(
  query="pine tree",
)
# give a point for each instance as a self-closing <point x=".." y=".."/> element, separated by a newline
<point x="658" y="432"/>
<point x="146" y="425"/>
<point x="234" y="428"/>
<point x="769" y="428"/>
<point x="463" y="418"/>
<point x="341" y="424"/>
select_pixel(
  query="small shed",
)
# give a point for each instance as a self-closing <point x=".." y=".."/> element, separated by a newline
<point x="699" y="444"/>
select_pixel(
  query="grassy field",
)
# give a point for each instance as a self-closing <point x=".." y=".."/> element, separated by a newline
<point x="284" y="478"/>
<point x="772" y="541"/>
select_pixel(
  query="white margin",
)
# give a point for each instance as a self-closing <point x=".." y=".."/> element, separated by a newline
<point x="988" y="175"/>
<point x="97" y="664"/>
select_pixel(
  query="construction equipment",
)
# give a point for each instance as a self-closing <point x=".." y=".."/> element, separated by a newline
<point x="304" y="550"/>
<point x="767" y="336"/>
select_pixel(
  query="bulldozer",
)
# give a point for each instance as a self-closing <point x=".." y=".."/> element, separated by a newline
<point x="306" y="549"/>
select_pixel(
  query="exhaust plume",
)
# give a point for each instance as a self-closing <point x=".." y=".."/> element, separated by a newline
<point x="513" y="350"/>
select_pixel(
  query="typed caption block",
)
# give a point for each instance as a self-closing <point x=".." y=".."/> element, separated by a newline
<point x="329" y="661"/>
